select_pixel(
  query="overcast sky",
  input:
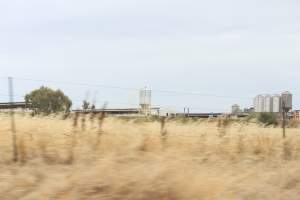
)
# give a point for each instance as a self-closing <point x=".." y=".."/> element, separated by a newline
<point x="232" y="48"/>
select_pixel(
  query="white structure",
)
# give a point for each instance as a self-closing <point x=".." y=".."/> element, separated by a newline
<point x="273" y="103"/>
<point x="268" y="103"/>
<point x="145" y="101"/>
<point x="259" y="103"/>
<point x="255" y="104"/>
<point x="276" y="103"/>
<point x="235" y="109"/>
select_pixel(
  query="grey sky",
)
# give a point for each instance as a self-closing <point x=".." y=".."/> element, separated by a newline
<point x="225" y="48"/>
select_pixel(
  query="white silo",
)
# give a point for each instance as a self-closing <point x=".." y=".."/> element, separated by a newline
<point x="255" y="104"/>
<point x="276" y="103"/>
<point x="235" y="109"/>
<point x="259" y="103"/>
<point x="268" y="104"/>
<point x="287" y="100"/>
<point x="145" y="101"/>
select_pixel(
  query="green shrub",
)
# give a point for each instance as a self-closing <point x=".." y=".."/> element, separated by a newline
<point x="267" y="118"/>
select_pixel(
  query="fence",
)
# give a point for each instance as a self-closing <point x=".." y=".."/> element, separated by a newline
<point x="23" y="105"/>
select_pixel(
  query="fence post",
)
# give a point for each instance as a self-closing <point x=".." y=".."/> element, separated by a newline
<point x="163" y="131"/>
<point x="283" y="120"/>
<point x="12" y="116"/>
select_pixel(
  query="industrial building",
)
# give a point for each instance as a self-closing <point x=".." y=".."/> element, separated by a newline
<point x="15" y="105"/>
<point x="118" y="111"/>
<point x="235" y="109"/>
<point x="268" y="103"/>
<point x="144" y="108"/>
<point x="287" y="101"/>
<point x="276" y="103"/>
<point x="145" y="101"/>
<point x="272" y="103"/>
<point x="259" y="103"/>
<point x="296" y="114"/>
<point x="197" y="115"/>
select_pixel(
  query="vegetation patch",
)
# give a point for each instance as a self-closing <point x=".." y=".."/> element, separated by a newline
<point x="267" y="119"/>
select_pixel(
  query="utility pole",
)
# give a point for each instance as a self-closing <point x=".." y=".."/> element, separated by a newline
<point x="12" y="116"/>
<point x="287" y="105"/>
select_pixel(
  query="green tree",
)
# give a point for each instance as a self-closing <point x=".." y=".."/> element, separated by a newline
<point x="268" y="118"/>
<point x="45" y="100"/>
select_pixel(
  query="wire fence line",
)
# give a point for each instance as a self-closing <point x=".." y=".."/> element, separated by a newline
<point x="133" y="104"/>
<point x="82" y="121"/>
<point x="157" y="91"/>
<point x="164" y="134"/>
<point x="190" y="93"/>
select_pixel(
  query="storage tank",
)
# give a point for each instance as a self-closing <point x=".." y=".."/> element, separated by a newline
<point x="287" y="100"/>
<point x="145" y="101"/>
<point x="235" y="109"/>
<point x="260" y="103"/>
<point x="276" y="103"/>
<point x="268" y="104"/>
<point x="255" y="104"/>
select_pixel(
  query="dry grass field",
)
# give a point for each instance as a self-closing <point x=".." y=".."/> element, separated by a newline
<point x="131" y="160"/>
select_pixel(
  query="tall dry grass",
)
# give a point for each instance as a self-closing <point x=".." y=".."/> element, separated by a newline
<point x="147" y="159"/>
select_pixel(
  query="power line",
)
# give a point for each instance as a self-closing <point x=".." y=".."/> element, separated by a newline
<point x="134" y="89"/>
<point x="77" y="83"/>
<point x="132" y="104"/>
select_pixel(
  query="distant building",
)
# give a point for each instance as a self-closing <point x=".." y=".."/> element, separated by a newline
<point x="235" y="109"/>
<point x="145" y="101"/>
<point x="268" y="103"/>
<point x="276" y="103"/>
<point x="118" y="111"/>
<point x="15" y="105"/>
<point x="259" y="103"/>
<point x="296" y="114"/>
<point x="249" y="110"/>
<point x="272" y="103"/>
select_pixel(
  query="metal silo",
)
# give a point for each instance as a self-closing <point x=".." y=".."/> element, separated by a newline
<point x="235" y="109"/>
<point x="287" y="100"/>
<point x="260" y="103"/>
<point x="255" y="104"/>
<point x="276" y="103"/>
<point x="145" y="101"/>
<point x="268" y="104"/>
